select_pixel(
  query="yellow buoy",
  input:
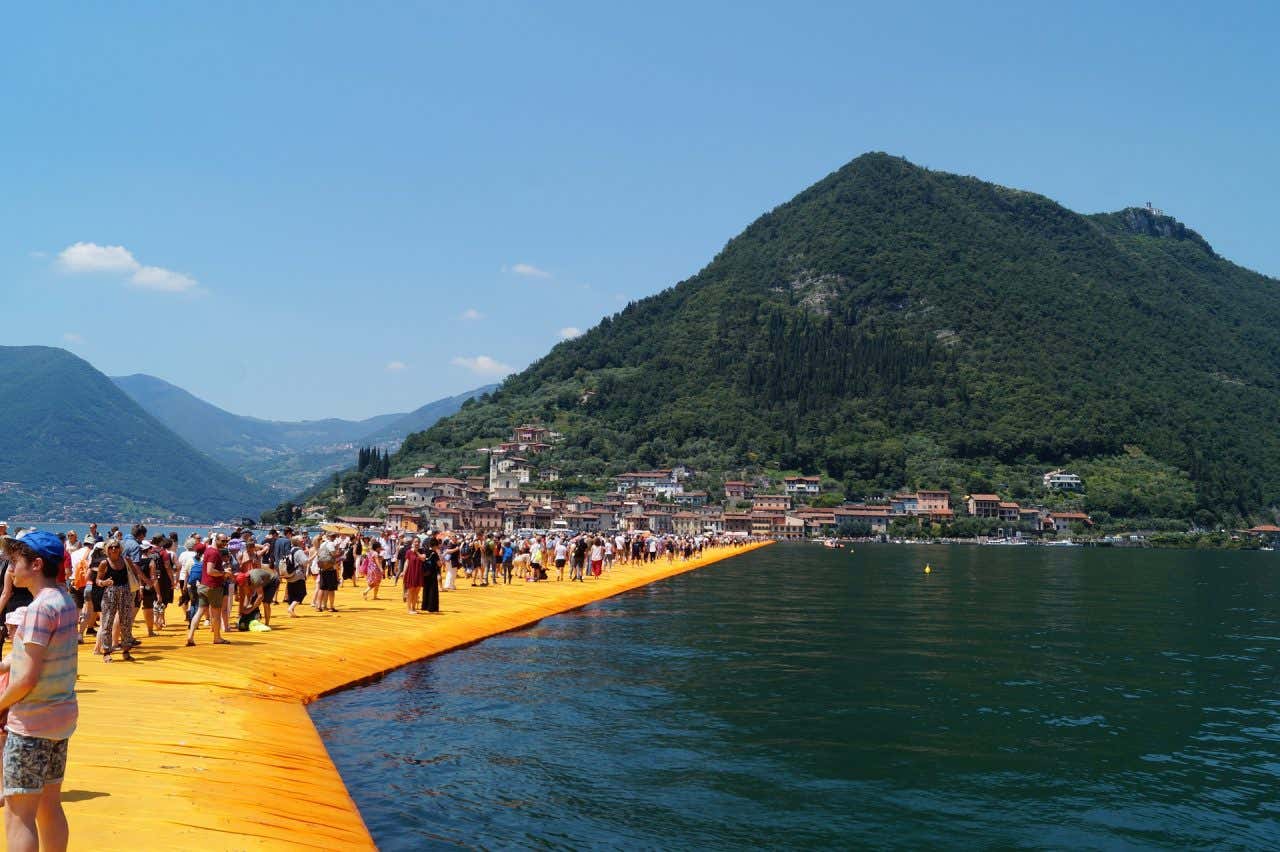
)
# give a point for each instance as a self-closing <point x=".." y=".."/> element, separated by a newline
<point x="927" y="569"/>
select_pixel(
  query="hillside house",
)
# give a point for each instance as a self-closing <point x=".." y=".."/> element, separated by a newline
<point x="903" y="504"/>
<point x="1010" y="512"/>
<point x="690" y="498"/>
<point x="1062" y="521"/>
<point x="802" y="484"/>
<point x="404" y="519"/>
<point x="983" y="505"/>
<point x="1060" y="480"/>
<point x="930" y="501"/>
<point x="531" y="433"/>
<point x="661" y="482"/>
<point x="876" y="516"/>
<point x="779" y="503"/>
<point x="686" y="523"/>
<point x="737" y="490"/>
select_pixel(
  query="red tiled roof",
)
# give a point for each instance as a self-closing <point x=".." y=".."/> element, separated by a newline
<point x="985" y="497"/>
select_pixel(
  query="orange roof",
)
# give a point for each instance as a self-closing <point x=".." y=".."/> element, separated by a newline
<point x="1004" y="505"/>
<point x="1264" y="528"/>
<point x="987" y="497"/>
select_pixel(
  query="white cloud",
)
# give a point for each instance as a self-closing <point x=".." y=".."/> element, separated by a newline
<point x="395" y="366"/>
<point x="162" y="280"/>
<point x="72" y="337"/>
<point x="82" y="258"/>
<point x="528" y="270"/>
<point x="570" y="332"/>
<point x="472" y="314"/>
<point x="91" y="257"/>
<point x="484" y="365"/>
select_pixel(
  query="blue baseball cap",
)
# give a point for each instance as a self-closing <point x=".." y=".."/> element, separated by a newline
<point x="46" y="545"/>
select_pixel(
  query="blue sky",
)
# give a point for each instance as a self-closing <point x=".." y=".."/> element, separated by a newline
<point x="306" y="209"/>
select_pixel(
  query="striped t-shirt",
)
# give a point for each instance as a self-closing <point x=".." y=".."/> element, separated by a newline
<point x="49" y="710"/>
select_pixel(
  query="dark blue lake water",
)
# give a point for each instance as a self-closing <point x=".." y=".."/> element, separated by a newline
<point x="803" y="697"/>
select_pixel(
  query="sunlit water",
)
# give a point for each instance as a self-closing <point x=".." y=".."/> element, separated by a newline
<point x="803" y="697"/>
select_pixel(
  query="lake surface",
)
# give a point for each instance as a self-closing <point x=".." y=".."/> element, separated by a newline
<point x="804" y="697"/>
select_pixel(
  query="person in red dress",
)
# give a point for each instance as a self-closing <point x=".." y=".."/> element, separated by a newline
<point x="412" y="584"/>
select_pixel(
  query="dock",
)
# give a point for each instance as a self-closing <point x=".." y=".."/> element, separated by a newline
<point x="212" y="747"/>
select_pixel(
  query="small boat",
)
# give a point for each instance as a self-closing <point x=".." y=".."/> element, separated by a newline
<point x="830" y="542"/>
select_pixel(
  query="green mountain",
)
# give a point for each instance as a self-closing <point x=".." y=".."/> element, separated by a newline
<point x="894" y="326"/>
<point x="284" y="456"/>
<point x="77" y="447"/>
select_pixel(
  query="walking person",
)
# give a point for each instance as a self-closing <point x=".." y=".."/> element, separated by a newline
<point x="451" y="555"/>
<point x="431" y="577"/>
<point x="210" y="591"/>
<point x="508" y="561"/>
<point x="295" y="574"/>
<point x="373" y="569"/>
<point x="597" y="557"/>
<point x="412" y="577"/>
<point x="117" y="604"/>
<point x="39" y="697"/>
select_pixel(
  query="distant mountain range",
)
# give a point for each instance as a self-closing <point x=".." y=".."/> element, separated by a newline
<point x="282" y="456"/>
<point x="75" y="446"/>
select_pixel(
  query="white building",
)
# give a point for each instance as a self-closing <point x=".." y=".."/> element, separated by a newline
<point x="803" y="484"/>
<point x="1060" y="480"/>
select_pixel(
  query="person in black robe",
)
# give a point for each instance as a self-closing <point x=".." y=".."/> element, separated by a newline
<point x="431" y="577"/>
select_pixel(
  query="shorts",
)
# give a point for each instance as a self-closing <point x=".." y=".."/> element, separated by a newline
<point x="270" y="589"/>
<point x="77" y="595"/>
<point x="149" y="598"/>
<point x="560" y="563"/>
<point x="98" y="592"/>
<point x="210" y="596"/>
<point x="296" y="592"/>
<point x="328" y="581"/>
<point x="31" y="763"/>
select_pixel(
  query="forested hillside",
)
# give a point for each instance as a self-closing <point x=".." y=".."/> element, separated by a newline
<point x="894" y="326"/>
<point x="76" y="446"/>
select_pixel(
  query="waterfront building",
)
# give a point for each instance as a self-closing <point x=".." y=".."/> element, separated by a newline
<point x="983" y="505"/>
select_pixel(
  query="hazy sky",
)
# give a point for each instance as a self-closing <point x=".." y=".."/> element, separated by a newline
<point x="306" y="210"/>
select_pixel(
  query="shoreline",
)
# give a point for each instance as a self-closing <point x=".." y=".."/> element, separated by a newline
<point x="213" y="748"/>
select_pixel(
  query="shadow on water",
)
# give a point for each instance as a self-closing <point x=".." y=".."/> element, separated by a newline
<point x="805" y="697"/>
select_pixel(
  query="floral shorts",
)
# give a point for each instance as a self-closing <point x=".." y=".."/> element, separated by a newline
<point x="31" y="762"/>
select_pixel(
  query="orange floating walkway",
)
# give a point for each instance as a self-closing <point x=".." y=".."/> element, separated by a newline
<point x="212" y="748"/>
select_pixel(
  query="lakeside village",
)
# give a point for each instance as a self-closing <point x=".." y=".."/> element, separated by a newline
<point x="791" y="508"/>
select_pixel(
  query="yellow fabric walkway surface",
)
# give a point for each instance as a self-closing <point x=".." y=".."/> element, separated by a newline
<point x="212" y="748"/>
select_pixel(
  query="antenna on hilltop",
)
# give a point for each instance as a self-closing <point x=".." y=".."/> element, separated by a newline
<point x="1154" y="210"/>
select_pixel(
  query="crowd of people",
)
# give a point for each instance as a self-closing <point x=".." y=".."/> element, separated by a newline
<point x="61" y="590"/>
